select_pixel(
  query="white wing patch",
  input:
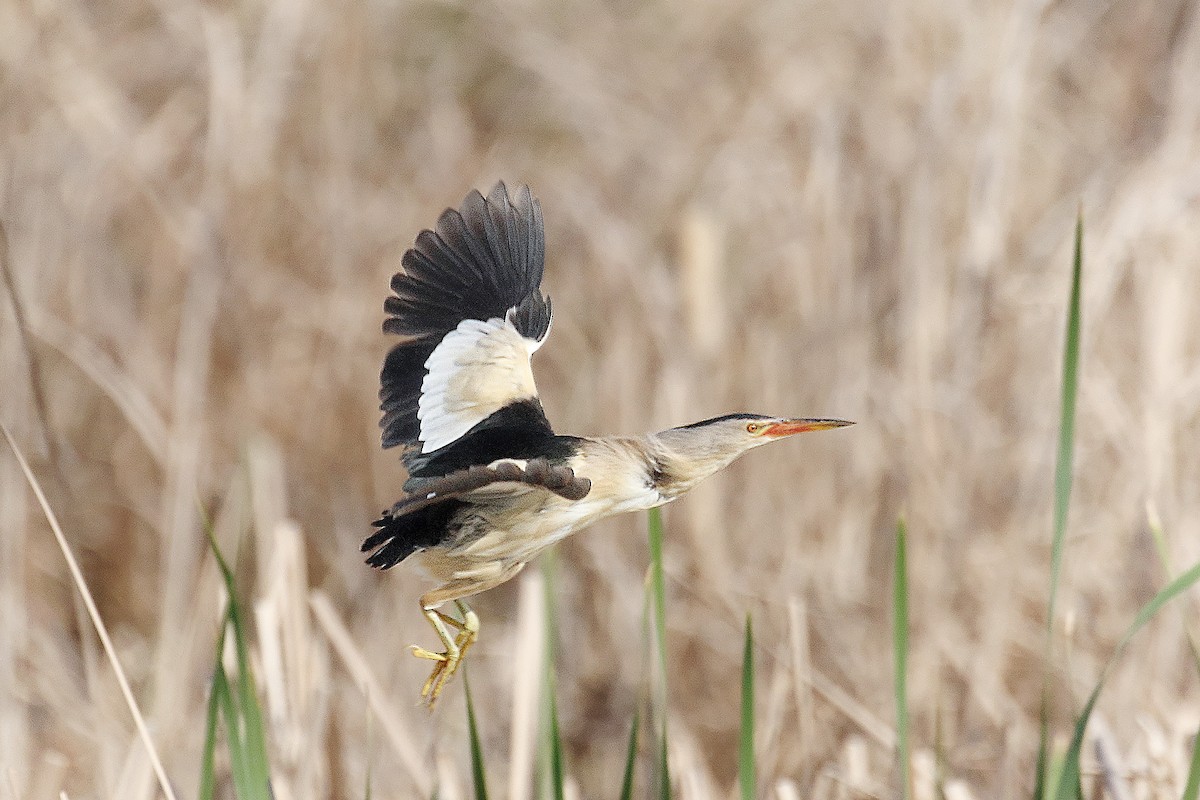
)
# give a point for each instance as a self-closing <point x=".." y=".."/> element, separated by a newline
<point x="476" y="370"/>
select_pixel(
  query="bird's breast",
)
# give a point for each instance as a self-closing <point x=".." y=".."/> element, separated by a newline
<point x="519" y="533"/>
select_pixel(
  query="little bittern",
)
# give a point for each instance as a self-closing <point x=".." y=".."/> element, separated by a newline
<point x="490" y="484"/>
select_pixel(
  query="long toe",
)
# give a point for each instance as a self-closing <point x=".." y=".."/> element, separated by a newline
<point x="421" y="652"/>
<point x="433" y="684"/>
<point x="442" y="674"/>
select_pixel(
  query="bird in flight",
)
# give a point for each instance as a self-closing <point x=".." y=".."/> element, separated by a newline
<point x="491" y="485"/>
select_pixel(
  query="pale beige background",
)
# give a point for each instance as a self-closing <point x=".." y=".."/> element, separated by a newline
<point x="848" y="209"/>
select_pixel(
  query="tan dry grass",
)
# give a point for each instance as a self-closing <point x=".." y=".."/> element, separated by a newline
<point x="873" y="204"/>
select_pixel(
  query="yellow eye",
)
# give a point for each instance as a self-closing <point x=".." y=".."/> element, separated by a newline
<point x="753" y="427"/>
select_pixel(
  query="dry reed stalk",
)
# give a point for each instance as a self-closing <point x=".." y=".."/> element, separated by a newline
<point x="891" y="187"/>
<point x="529" y="649"/>
<point x="94" y="616"/>
<point x="393" y="723"/>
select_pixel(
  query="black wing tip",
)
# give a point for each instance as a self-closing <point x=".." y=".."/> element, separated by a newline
<point x="381" y="542"/>
<point x="531" y="317"/>
<point x="520" y="200"/>
<point x="521" y="197"/>
<point x="390" y="544"/>
<point x="384" y="558"/>
<point x="480" y="260"/>
<point x="410" y="526"/>
<point x="498" y="196"/>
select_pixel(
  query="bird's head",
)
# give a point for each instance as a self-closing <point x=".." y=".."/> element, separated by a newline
<point x="700" y="449"/>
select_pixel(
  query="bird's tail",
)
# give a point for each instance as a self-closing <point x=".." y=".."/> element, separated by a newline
<point x="402" y="533"/>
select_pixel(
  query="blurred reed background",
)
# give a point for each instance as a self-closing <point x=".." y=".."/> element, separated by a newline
<point x="846" y="209"/>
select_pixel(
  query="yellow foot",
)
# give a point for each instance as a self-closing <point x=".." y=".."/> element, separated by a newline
<point x="456" y="649"/>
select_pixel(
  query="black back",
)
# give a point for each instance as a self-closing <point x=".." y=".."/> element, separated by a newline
<point x="519" y="430"/>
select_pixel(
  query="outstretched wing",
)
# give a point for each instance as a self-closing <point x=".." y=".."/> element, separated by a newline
<point x="471" y="312"/>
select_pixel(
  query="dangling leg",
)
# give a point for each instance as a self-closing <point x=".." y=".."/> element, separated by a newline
<point x="468" y="627"/>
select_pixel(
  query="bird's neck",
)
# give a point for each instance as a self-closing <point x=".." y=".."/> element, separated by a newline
<point x="635" y="472"/>
<point x="679" y="462"/>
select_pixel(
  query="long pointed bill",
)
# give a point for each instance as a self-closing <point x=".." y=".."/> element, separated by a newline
<point x="789" y="426"/>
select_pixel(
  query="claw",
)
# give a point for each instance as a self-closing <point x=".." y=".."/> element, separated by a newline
<point x="433" y="686"/>
<point x="421" y="652"/>
<point x="456" y="649"/>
